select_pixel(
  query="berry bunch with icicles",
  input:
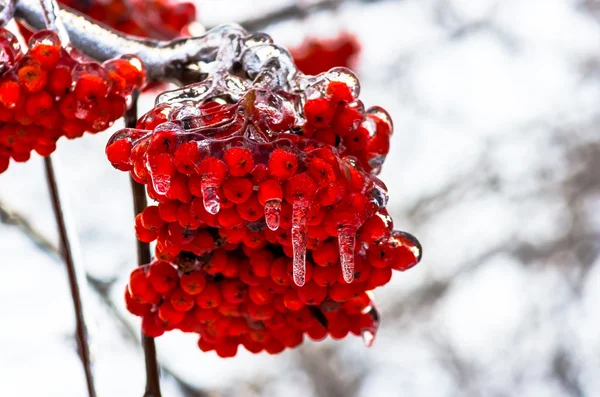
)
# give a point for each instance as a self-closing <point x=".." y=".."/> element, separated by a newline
<point x="270" y="223"/>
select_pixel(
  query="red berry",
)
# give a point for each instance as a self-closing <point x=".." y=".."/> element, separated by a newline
<point x="32" y="78"/>
<point x="217" y="263"/>
<point x="10" y="94"/>
<point x="46" y="55"/>
<point x="234" y="291"/>
<point x="169" y="315"/>
<point x="237" y="190"/>
<point x="182" y="301"/>
<point x="151" y="326"/>
<point x="239" y="161"/>
<point x="209" y="298"/>
<point x="162" y="276"/>
<point x="193" y="283"/>
<point x="312" y="294"/>
<point x="269" y="189"/>
<point x="187" y="156"/>
<point x="282" y="164"/>
<point x="292" y="301"/>
<point x="319" y="112"/>
<point x="119" y="152"/>
<point x="212" y="170"/>
<point x="339" y="92"/>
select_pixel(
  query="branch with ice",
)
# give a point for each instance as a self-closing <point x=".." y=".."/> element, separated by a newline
<point x="181" y="60"/>
<point x="7" y="11"/>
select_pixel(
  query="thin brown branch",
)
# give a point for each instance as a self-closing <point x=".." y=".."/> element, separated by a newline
<point x="143" y="257"/>
<point x="163" y="60"/>
<point x="70" y="262"/>
<point x="10" y="217"/>
<point x="101" y="288"/>
<point x="294" y="11"/>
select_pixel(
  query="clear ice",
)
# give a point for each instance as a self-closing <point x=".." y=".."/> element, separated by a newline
<point x="346" y="242"/>
<point x="212" y="204"/>
<point x="299" y="237"/>
<point x="272" y="213"/>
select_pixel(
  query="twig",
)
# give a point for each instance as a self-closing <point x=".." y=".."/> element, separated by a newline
<point x="294" y="11"/>
<point x="182" y="60"/>
<point x="144" y="257"/>
<point x="101" y="288"/>
<point x="288" y="12"/>
<point x="7" y="12"/>
<point x="71" y="263"/>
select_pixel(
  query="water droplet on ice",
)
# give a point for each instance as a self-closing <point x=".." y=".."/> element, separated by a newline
<point x="368" y="337"/>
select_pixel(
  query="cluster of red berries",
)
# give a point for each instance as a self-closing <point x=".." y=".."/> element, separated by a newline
<point x="282" y="229"/>
<point x="317" y="55"/>
<point x="48" y="93"/>
<point x="231" y="300"/>
<point x="160" y="19"/>
<point x="337" y="120"/>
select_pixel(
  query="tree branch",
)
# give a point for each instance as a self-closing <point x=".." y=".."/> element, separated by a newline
<point x="72" y="273"/>
<point x="164" y="60"/>
<point x="53" y="21"/>
<point x="144" y="257"/>
<point x="101" y="288"/>
<point x="7" y="12"/>
<point x="294" y="11"/>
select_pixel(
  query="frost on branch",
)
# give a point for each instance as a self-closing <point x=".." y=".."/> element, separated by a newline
<point x="266" y="190"/>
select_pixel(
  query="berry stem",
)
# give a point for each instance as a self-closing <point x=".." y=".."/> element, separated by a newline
<point x="7" y="12"/>
<point x="72" y="272"/>
<point x="144" y="256"/>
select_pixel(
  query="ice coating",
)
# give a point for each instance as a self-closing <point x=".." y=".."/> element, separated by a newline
<point x="299" y="230"/>
<point x="210" y="197"/>
<point x="347" y="243"/>
<point x="369" y="330"/>
<point x="272" y="213"/>
<point x="274" y="170"/>
<point x="260" y="103"/>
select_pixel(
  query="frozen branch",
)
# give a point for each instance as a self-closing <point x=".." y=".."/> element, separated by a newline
<point x="182" y="61"/>
<point x="7" y="12"/>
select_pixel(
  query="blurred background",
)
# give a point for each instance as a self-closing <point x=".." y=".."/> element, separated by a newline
<point x="494" y="166"/>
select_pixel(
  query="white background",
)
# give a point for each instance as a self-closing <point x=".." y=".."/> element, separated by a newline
<point x="493" y="166"/>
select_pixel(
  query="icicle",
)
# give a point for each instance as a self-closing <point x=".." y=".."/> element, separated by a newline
<point x="369" y="332"/>
<point x="346" y="242"/>
<point x="161" y="183"/>
<point x="299" y="237"/>
<point x="272" y="211"/>
<point x="368" y="337"/>
<point x="210" y="197"/>
<point x="160" y="177"/>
